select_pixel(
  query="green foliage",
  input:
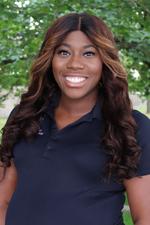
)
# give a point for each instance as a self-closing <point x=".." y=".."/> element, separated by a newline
<point x="2" y="122"/>
<point x="23" y="24"/>
<point x="127" y="218"/>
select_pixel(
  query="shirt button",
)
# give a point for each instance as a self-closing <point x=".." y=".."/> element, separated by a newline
<point x="49" y="147"/>
<point x="54" y="137"/>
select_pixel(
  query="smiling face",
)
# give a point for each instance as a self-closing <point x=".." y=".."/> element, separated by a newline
<point x="77" y="67"/>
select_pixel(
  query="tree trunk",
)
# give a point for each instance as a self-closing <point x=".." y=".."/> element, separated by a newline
<point x="148" y="105"/>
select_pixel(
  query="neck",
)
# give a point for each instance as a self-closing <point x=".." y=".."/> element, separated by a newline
<point x="76" y="107"/>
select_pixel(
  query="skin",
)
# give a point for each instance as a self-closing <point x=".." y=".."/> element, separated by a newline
<point x="7" y="188"/>
<point x="138" y="192"/>
<point x="76" y="58"/>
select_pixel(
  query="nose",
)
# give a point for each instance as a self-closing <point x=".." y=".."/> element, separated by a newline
<point x="75" y="63"/>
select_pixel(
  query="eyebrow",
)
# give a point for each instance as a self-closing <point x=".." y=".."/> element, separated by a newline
<point x="85" y="46"/>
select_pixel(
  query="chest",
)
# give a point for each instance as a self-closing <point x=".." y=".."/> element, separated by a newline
<point x="77" y="145"/>
<point x="69" y="158"/>
<point x="62" y="120"/>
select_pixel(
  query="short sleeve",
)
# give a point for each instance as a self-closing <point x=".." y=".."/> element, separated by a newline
<point x="143" y="139"/>
<point x="8" y="121"/>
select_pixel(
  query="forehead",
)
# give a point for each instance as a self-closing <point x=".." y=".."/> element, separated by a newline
<point x="77" y="38"/>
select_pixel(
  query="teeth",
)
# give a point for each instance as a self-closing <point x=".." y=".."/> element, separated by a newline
<point x="75" y="79"/>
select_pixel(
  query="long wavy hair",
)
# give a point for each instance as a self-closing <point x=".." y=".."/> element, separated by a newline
<point x="119" y="136"/>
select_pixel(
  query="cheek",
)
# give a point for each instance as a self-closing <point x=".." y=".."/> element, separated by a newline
<point x="54" y="66"/>
<point x="57" y="67"/>
<point x="96" y="69"/>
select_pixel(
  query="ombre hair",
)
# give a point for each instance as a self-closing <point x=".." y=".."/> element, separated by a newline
<point x="119" y="136"/>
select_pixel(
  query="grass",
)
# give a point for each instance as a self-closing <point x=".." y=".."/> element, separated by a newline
<point x="126" y="215"/>
<point x="127" y="218"/>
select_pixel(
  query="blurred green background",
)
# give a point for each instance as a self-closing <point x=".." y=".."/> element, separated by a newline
<point x="24" y="23"/>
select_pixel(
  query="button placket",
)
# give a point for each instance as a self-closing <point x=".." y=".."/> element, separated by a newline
<point x="50" y="147"/>
<point x="49" y="150"/>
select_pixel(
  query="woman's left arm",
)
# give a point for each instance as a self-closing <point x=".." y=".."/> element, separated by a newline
<point x="138" y="193"/>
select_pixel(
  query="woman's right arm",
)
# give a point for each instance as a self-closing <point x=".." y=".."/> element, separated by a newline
<point x="7" y="188"/>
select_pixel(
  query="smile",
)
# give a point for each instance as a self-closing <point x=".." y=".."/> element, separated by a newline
<point x="76" y="79"/>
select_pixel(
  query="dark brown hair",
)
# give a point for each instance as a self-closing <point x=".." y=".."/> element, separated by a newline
<point x="119" y="126"/>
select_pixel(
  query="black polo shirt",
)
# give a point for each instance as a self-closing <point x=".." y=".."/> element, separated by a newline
<point x="60" y="174"/>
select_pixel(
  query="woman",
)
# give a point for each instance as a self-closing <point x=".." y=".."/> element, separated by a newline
<point x="73" y="145"/>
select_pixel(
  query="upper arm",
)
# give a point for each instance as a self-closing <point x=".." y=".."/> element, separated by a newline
<point x="7" y="184"/>
<point x="138" y="193"/>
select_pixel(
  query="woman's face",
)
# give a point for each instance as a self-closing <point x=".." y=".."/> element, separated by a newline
<point x="77" y="66"/>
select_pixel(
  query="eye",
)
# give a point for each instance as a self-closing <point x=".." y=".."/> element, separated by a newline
<point x="63" y="52"/>
<point x="89" y="53"/>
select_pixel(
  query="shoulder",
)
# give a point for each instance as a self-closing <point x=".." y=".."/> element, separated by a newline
<point x="143" y="140"/>
<point x="143" y="127"/>
<point x="140" y="118"/>
<point x="142" y="121"/>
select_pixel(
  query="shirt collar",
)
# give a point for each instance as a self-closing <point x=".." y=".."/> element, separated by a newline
<point x="95" y="112"/>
